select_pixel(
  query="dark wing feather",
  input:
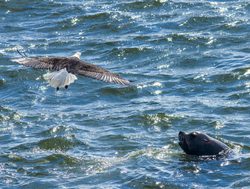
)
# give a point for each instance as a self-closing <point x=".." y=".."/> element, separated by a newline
<point x="51" y="63"/>
<point x="96" y="72"/>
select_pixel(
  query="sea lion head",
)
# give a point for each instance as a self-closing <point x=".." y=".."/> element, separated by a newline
<point x="197" y="143"/>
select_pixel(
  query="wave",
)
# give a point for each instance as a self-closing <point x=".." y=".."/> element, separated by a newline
<point x="58" y="143"/>
<point x="159" y="119"/>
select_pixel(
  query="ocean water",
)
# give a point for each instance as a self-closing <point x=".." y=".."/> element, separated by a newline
<point x="190" y="65"/>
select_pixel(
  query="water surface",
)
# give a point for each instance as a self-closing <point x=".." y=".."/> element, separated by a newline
<point x="190" y="63"/>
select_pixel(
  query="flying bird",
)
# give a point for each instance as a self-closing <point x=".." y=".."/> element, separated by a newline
<point x="63" y="70"/>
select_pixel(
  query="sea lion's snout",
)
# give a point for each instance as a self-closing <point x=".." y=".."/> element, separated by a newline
<point x="181" y="136"/>
<point x="183" y="141"/>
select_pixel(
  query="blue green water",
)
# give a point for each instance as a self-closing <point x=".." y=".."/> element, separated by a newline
<point x="190" y="63"/>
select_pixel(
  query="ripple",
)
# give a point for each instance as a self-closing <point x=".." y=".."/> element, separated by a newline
<point x="189" y="61"/>
<point x="57" y="130"/>
<point x="126" y="91"/>
<point x="202" y="21"/>
<point x="247" y="72"/>
<point x="61" y="159"/>
<point x="140" y="5"/>
<point x="21" y="74"/>
<point x="95" y="16"/>
<point x="13" y="8"/>
<point x="159" y="119"/>
<point x="149" y="182"/>
<point x="8" y="114"/>
<point x="242" y="183"/>
<point x="155" y="84"/>
<point x="58" y="143"/>
<point x="225" y="77"/>
<point x="156" y="153"/>
<point x="2" y="82"/>
<point x="190" y="38"/>
<point x="130" y="51"/>
<point x="68" y="23"/>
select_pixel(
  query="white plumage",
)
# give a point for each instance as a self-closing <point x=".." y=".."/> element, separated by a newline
<point x="60" y="79"/>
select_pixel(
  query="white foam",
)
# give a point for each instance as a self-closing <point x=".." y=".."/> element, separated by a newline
<point x="157" y="92"/>
<point x="247" y="72"/>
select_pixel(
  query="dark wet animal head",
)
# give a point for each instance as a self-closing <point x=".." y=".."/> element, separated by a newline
<point x="200" y="144"/>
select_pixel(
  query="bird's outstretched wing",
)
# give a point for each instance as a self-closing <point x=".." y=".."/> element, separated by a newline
<point x="96" y="72"/>
<point x="73" y="65"/>
<point x="51" y="63"/>
<point x="41" y="63"/>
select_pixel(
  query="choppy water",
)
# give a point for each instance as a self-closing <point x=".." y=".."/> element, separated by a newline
<point x="190" y="62"/>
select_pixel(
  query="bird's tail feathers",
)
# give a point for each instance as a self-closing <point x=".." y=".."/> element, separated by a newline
<point x="60" y="79"/>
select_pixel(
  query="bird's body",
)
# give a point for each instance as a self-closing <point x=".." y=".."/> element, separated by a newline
<point x="65" y="69"/>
